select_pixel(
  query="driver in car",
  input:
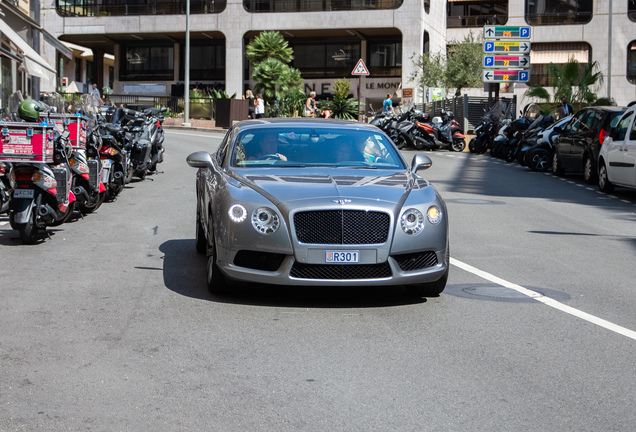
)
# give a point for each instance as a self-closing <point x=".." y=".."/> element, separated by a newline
<point x="268" y="148"/>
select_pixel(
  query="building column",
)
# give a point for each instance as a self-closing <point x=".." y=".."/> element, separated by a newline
<point x="98" y="69"/>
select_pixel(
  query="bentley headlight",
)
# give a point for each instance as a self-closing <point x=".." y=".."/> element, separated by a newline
<point x="237" y="213"/>
<point x="434" y="215"/>
<point x="265" y="220"/>
<point x="412" y="221"/>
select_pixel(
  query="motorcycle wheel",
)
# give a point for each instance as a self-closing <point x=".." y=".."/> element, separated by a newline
<point x="458" y="145"/>
<point x="418" y="144"/>
<point x="90" y="208"/>
<point x="129" y="174"/>
<point x="471" y="145"/>
<point x="28" y="231"/>
<point x="400" y="141"/>
<point x="539" y="160"/>
<point x="510" y="154"/>
<point x="67" y="215"/>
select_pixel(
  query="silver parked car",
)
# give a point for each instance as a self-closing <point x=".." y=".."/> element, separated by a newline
<point x="318" y="202"/>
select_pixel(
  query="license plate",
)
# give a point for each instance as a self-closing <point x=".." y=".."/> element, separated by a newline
<point x="23" y="193"/>
<point x="342" y="256"/>
<point x="106" y="163"/>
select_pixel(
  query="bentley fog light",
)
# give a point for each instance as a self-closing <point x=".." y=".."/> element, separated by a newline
<point x="265" y="220"/>
<point x="237" y="213"/>
<point x="412" y="221"/>
<point x="434" y="215"/>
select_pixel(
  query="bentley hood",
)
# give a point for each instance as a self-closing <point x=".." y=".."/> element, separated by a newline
<point x="376" y="185"/>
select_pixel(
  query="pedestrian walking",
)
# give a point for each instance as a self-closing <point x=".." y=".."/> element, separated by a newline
<point x="259" y="108"/>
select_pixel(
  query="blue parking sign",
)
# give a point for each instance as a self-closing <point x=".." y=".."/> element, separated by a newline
<point x="489" y="61"/>
<point x="524" y="32"/>
<point x="523" y="76"/>
<point x="489" y="47"/>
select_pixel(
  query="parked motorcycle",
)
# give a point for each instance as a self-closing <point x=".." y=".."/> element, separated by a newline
<point x="447" y="134"/>
<point x="5" y="187"/>
<point x="485" y="133"/>
<point x="539" y="157"/>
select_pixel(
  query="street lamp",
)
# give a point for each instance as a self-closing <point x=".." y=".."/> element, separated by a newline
<point x="186" y="114"/>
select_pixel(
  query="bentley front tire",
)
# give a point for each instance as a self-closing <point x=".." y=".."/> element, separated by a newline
<point x="431" y="289"/>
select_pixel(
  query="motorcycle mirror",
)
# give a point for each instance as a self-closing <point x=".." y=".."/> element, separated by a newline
<point x="66" y="134"/>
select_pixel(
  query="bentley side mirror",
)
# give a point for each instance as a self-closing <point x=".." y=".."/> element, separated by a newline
<point x="200" y="159"/>
<point x="419" y="162"/>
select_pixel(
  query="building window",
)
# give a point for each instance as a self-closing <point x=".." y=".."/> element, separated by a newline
<point x="207" y="62"/>
<point x="426" y="47"/>
<point x="78" y="69"/>
<point x="84" y="8"/>
<point x="147" y="63"/>
<point x="631" y="62"/>
<point x="384" y="57"/>
<point x="326" y="60"/>
<point x="90" y="70"/>
<point x="542" y="54"/>
<point x="476" y="13"/>
<point x="318" y="5"/>
<point x="554" y="12"/>
<point x="631" y="9"/>
<point x="111" y="76"/>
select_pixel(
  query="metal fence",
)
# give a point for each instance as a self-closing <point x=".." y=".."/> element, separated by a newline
<point x="468" y="110"/>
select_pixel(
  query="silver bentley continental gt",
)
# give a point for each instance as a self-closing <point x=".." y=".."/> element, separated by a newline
<point x="318" y="203"/>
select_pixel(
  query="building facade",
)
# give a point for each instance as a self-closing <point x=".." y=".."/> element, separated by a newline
<point x="146" y="39"/>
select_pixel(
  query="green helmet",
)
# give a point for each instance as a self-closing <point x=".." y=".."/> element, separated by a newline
<point x="29" y="110"/>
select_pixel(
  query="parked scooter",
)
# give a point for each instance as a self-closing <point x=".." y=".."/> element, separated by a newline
<point x="5" y="187"/>
<point x="539" y="157"/>
<point x="447" y="134"/>
<point x="41" y="193"/>
<point x="485" y="133"/>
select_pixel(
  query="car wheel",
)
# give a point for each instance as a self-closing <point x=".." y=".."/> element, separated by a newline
<point x="557" y="167"/>
<point x="216" y="281"/>
<point x="431" y="289"/>
<point x="603" y="180"/>
<point x="589" y="170"/>
<point x="201" y="244"/>
<point x="539" y="160"/>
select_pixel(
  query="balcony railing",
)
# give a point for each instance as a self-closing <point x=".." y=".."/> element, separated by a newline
<point x="475" y="20"/>
<point x="318" y="5"/>
<point x="84" y="8"/>
<point x="558" y="18"/>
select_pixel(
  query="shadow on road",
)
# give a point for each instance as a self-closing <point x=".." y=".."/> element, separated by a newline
<point x="184" y="273"/>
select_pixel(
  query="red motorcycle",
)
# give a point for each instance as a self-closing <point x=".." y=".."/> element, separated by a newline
<point x="447" y="134"/>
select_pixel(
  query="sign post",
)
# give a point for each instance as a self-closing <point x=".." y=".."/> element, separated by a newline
<point x="506" y="58"/>
<point x="360" y="70"/>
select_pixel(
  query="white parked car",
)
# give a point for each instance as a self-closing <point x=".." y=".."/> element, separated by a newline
<point x="617" y="158"/>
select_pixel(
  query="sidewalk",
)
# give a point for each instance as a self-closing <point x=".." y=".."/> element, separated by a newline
<point x="195" y="125"/>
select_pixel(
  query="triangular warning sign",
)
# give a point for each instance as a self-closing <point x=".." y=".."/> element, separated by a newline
<point x="360" y="69"/>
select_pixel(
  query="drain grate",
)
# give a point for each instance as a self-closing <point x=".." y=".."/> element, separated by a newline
<point x="495" y="291"/>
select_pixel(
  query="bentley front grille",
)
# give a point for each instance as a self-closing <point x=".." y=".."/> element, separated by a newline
<point x="342" y="227"/>
<point x="341" y="271"/>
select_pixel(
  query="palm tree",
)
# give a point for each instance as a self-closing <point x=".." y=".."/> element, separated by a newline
<point x="573" y="80"/>
<point x="269" y="45"/>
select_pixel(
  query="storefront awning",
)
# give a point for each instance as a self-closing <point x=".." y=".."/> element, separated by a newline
<point x="34" y="63"/>
<point x="57" y="44"/>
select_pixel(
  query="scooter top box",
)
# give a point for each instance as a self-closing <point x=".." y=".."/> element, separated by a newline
<point x="76" y="125"/>
<point x="26" y="142"/>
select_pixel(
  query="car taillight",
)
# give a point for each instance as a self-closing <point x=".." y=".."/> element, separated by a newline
<point x="601" y="136"/>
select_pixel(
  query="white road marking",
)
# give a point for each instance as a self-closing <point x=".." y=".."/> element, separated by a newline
<point x="546" y="300"/>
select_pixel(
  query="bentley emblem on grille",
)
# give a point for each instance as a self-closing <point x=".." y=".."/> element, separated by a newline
<point x="341" y="201"/>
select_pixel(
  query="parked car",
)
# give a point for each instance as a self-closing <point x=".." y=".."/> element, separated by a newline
<point x="311" y="202"/>
<point x="577" y="147"/>
<point x="617" y="158"/>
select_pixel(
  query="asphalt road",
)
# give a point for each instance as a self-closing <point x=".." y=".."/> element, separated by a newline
<point x="108" y="326"/>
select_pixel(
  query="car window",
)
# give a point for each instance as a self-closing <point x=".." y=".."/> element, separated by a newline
<point x="575" y="124"/>
<point x="594" y="120"/>
<point x="614" y="118"/>
<point x="220" y="154"/>
<point x="622" y="127"/>
<point x="632" y="134"/>
<point x="314" y="145"/>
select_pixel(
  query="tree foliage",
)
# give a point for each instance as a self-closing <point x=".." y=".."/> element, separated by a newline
<point x="268" y="45"/>
<point x="341" y="105"/>
<point x="576" y="81"/>
<point x="458" y="68"/>
<point x="270" y="54"/>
